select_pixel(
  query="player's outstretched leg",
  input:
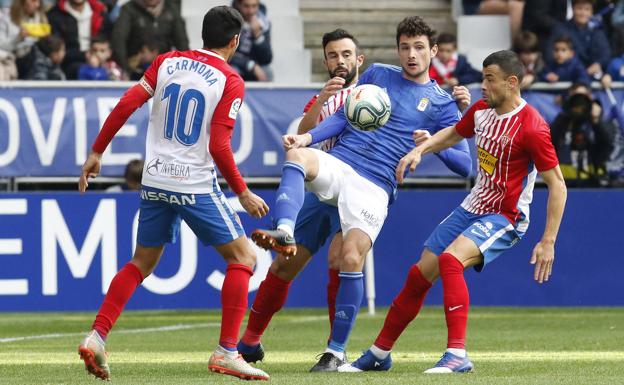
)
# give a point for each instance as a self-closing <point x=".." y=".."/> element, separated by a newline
<point x="290" y="197"/>
<point x="456" y="301"/>
<point x="404" y="309"/>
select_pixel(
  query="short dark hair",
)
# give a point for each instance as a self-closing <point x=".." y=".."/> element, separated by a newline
<point x="526" y="42"/>
<point x="99" y="39"/>
<point x="220" y="25"/>
<point x="339" y="34"/>
<point x="565" y="39"/>
<point x="50" y="44"/>
<point x="134" y="171"/>
<point x="508" y="61"/>
<point x="447" y="38"/>
<point x="415" y="26"/>
<point x="590" y="2"/>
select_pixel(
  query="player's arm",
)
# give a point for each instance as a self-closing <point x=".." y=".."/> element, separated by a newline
<point x="134" y="98"/>
<point x="220" y="147"/>
<point x="442" y="140"/>
<point x="456" y="158"/>
<point x="332" y="126"/>
<point x="313" y="110"/>
<point x="544" y="252"/>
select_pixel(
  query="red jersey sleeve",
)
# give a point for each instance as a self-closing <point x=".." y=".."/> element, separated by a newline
<point x="538" y="143"/>
<point x="465" y="127"/>
<point x="309" y="104"/>
<point x="221" y="129"/>
<point x="226" y="111"/>
<point x="150" y="76"/>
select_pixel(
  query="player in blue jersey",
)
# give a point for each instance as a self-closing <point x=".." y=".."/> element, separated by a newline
<point x="358" y="174"/>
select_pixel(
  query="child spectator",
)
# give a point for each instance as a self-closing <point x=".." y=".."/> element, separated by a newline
<point x="48" y="54"/>
<point x="565" y="66"/>
<point x="142" y="60"/>
<point x="99" y="65"/>
<point x="448" y="68"/>
<point x="526" y="45"/>
<point x="616" y="68"/>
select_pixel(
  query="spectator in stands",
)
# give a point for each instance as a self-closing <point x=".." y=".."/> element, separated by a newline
<point x="100" y="46"/>
<point x="449" y="68"/>
<point x="77" y="22"/>
<point x="564" y="66"/>
<point x="543" y="16"/>
<point x="132" y="176"/>
<point x="526" y="45"/>
<point x="94" y="68"/>
<point x="142" y="60"/>
<point x="20" y="29"/>
<point x="580" y="137"/>
<point x="616" y="68"/>
<point x="48" y="54"/>
<point x="254" y="52"/>
<point x="138" y="20"/>
<point x="589" y="40"/>
<point x="513" y="8"/>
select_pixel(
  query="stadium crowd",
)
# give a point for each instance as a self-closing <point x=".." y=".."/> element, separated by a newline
<point x="111" y="39"/>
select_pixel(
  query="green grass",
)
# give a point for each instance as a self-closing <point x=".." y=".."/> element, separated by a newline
<point x="508" y="346"/>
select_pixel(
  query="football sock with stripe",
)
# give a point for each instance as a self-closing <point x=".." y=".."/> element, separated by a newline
<point x="348" y="302"/>
<point x="404" y="309"/>
<point x="233" y="303"/>
<point x="290" y="195"/>
<point x="456" y="300"/>
<point x="119" y="292"/>
<point x="270" y="298"/>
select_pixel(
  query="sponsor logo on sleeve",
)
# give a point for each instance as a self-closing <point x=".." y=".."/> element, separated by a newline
<point x="236" y="104"/>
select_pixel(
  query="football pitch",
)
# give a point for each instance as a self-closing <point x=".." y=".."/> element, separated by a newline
<point x="508" y="346"/>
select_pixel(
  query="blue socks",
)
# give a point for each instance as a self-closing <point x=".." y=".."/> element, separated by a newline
<point x="290" y="195"/>
<point x="348" y="302"/>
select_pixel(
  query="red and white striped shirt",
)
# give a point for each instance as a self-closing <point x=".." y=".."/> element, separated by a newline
<point x="329" y="108"/>
<point x="511" y="148"/>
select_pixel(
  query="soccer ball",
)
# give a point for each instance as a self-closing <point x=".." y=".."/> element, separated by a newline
<point x="367" y="107"/>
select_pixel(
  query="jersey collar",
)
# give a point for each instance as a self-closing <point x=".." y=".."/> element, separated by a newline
<point x="210" y="53"/>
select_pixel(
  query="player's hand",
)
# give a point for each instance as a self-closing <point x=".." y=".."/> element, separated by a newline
<point x="331" y="88"/>
<point x="296" y="141"/>
<point x="411" y="160"/>
<point x="462" y="97"/>
<point x="543" y="257"/>
<point x="253" y="204"/>
<point x="420" y="136"/>
<point x="90" y="169"/>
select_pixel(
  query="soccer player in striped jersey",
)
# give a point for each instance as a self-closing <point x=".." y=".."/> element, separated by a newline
<point x="197" y="96"/>
<point x="317" y="221"/>
<point x="513" y="145"/>
<point x="358" y="174"/>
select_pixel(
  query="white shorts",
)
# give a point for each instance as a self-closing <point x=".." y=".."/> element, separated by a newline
<point x="361" y="203"/>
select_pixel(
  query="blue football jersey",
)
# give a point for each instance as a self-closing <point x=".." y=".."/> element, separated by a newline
<point x="376" y="154"/>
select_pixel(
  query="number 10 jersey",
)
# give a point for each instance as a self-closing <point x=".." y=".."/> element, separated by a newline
<point x="191" y="90"/>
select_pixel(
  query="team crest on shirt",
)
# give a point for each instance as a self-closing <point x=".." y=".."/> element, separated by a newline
<point x="422" y="105"/>
<point x="487" y="161"/>
<point x="504" y="140"/>
<point x="236" y="104"/>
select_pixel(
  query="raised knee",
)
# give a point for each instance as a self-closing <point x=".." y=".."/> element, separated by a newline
<point x="350" y="261"/>
<point x="295" y="155"/>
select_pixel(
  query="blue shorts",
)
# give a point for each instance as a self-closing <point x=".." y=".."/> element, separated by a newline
<point x="209" y="216"/>
<point x="316" y="222"/>
<point x="492" y="233"/>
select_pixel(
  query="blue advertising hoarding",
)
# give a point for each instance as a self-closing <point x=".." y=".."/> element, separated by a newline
<point x="60" y="252"/>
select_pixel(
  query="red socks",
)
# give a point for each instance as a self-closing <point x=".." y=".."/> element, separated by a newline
<point x="456" y="300"/>
<point x="404" y="308"/>
<point x="233" y="303"/>
<point x="270" y="299"/>
<point x="119" y="292"/>
<point x="332" y="291"/>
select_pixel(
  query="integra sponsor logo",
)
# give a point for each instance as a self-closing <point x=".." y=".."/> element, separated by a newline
<point x="179" y="199"/>
<point x="158" y="166"/>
